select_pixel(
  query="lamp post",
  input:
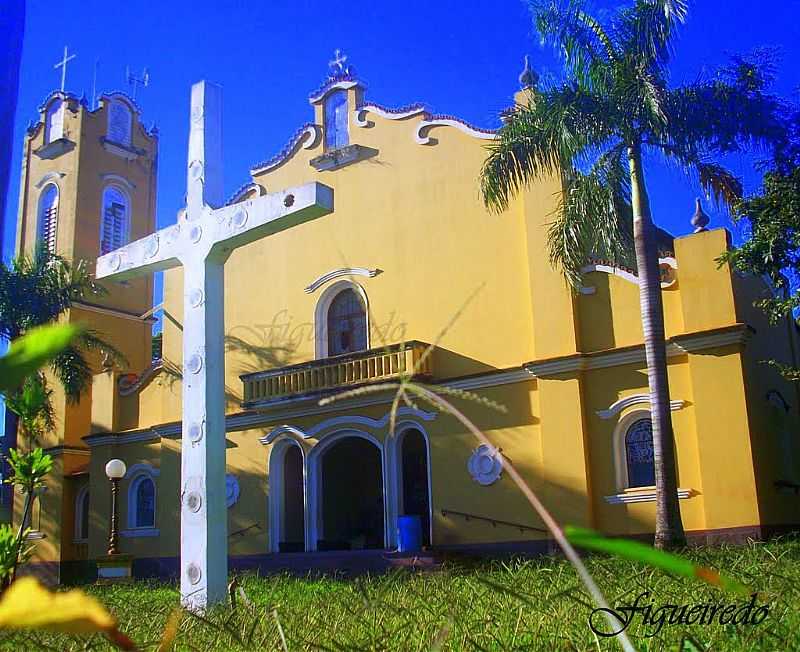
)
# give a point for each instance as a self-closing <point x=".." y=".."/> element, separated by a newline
<point x="115" y="469"/>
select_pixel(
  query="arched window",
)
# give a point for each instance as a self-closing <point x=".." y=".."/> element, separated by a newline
<point x="336" y="122"/>
<point x="82" y="514"/>
<point x="142" y="502"/>
<point x="639" y="454"/>
<point x="119" y="123"/>
<point x="47" y="226"/>
<point x="115" y="220"/>
<point x="54" y="121"/>
<point x="347" y="323"/>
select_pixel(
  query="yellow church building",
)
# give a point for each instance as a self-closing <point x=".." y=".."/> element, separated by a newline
<point x="409" y="260"/>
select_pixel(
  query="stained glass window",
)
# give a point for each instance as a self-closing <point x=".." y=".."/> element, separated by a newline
<point x="48" y="217"/>
<point x="145" y="494"/>
<point x="336" y="120"/>
<point x="639" y="454"/>
<point x="347" y="324"/>
<point x="114" y="224"/>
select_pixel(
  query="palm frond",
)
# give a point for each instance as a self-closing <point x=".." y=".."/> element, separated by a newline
<point x="73" y="372"/>
<point x="594" y="218"/>
<point x="648" y="29"/>
<point x="585" y="45"/>
<point x="91" y="340"/>
<point x="558" y="126"/>
<point x="720" y="116"/>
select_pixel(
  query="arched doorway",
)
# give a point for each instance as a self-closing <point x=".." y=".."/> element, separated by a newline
<point x="414" y="489"/>
<point x="287" y="497"/>
<point x="293" y="539"/>
<point x="351" y="497"/>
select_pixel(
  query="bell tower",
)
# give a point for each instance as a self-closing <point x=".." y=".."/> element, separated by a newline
<point x="88" y="185"/>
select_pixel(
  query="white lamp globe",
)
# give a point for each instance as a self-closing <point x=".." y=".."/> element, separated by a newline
<point x="115" y="469"/>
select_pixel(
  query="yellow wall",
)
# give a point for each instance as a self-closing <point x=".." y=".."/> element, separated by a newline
<point x="481" y="286"/>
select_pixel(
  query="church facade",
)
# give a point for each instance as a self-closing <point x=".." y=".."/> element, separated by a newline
<point x="409" y="272"/>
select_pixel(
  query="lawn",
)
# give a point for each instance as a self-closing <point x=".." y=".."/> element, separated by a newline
<point x="518" y="605"/>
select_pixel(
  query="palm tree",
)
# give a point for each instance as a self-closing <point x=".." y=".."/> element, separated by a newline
<point x="37" y="290"/>
<point x="613" y="107"/>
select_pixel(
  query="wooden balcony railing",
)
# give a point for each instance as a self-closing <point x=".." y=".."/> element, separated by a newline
<point x="351" y="369"/>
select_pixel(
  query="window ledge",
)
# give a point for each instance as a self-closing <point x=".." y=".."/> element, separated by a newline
<point x="339" y="158"/>
<point x="79" y="541"/>
<point x="126" y="152"/>
<point x="35" y="535"/>
<point x="55" y="148"/>
<point x="643" y="496"/>
<point x="140" y="532"/>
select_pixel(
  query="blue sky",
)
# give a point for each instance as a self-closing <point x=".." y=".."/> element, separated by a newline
<point x="461" y="58"/>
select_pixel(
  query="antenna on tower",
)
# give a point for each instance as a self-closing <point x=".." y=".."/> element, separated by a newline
<point x="134" y="81"/>
<point x="94" y="84"/>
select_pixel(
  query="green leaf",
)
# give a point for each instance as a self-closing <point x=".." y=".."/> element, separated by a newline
<point x="627" y="549"/>
<point x="32" y="351"/>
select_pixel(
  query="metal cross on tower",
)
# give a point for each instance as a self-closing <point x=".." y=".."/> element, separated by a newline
<point x="63" y="65"/>
<point x="337" y="65"/>
<point x="201" y="241"/>
<point x="134" y="81"/>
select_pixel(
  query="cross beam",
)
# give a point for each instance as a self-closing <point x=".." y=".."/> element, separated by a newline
<point x="201" y="242"/>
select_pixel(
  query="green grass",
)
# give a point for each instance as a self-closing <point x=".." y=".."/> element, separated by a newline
<point x="520" y="605"/>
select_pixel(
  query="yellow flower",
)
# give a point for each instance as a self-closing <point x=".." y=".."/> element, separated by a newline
<point x="28" y="605"/>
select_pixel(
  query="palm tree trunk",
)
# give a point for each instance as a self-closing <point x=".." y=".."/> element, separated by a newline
<point x="669" y="528"/>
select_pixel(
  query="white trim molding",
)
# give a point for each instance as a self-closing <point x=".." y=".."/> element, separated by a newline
<point x="115" y="178"/>
<point x="421" y="136"/>
<point x="637" y="399"/>
<point x="628" y="275"/>
<point x="343" y="85"/>
<point x="336" y="273"/>
<point x="676" y="346"/>
<point x="360" y="114"/>
<point x="49" y="177"/>
<point x="646" y="496"/>
<point x="346" y="421"/>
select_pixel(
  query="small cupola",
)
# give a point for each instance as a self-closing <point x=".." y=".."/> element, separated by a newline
<point x="335" y="102"/>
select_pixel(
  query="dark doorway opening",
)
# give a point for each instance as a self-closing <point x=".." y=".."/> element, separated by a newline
<point x="352" y="496"/>
<point x="293" y="539"/>
<point x="415" y="490"/>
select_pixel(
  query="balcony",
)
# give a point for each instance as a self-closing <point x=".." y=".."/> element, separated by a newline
<point x="338" y="372"/>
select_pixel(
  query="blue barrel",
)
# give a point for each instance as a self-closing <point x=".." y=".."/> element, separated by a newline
<point x="409" y="534"/>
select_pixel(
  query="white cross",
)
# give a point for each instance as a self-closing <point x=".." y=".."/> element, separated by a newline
<point x="201" y="241"/>
<point x="339" y="59"/>
<point x="63" y="65"/>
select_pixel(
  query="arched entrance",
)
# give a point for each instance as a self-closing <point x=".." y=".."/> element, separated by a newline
<point x="414" y="489"/>
<point x="287" y="497"/>
<point x="350" y="514"/>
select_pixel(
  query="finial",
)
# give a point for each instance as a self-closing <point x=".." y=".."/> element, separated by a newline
<point x="699" y="220"/>
<point x="153" y="128"/>
<point x="338" y="66"/>
<point x="528" y="78"/>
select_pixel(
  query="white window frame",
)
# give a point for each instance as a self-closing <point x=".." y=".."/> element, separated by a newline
<point x="135" y="475"/>
<point x="41" y="237"/>
<point x="277" y="502"/>
<point x="323" y="307"/>
<point x="127" y="227"/>
<point x="620" y="451"/>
